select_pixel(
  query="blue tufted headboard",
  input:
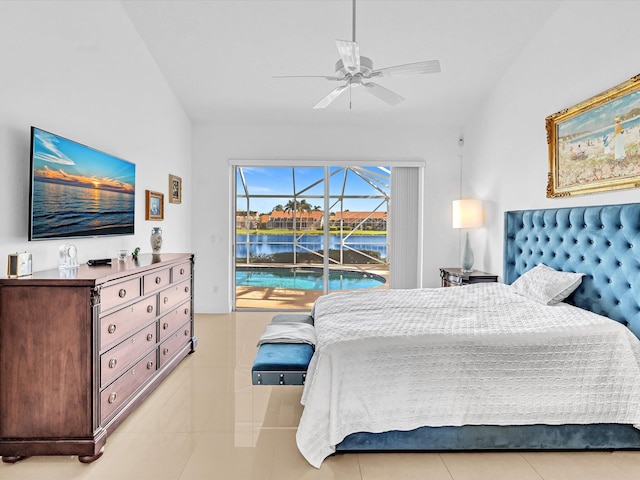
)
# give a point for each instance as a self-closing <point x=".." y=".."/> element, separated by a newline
<point x="603" y="242"/>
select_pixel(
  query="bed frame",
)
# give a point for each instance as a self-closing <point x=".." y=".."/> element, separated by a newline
<point x="603" y="242"/>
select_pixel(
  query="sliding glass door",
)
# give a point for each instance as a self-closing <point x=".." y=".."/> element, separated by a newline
<point x="305" y="231"/>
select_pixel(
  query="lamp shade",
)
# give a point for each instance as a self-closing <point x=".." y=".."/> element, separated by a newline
<point x="467" y="213"/>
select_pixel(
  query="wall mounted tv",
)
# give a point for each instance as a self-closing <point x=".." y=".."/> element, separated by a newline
<point x="77" y="191"/>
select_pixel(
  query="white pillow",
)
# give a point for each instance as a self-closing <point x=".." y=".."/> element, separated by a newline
<point x="546" y="285"/>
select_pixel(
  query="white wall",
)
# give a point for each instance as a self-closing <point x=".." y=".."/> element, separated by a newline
<point x="215" y="144"/>
<point x="585" y="48"/>
<point x="79" y="69"/>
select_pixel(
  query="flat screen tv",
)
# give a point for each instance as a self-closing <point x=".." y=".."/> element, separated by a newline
<point x="77" y="191"/>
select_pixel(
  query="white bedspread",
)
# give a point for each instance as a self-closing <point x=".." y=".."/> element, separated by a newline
<point x="473" y="355"/>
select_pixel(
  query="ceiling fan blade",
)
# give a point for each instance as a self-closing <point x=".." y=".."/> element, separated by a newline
<point x="335" y="93"/>
<point x="382" y="93"/>
<point x="309" y="76"/>
<point x="430" y="66"/>
<point x="350" y="55"/>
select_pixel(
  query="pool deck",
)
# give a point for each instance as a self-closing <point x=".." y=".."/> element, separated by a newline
<point x="269" y="298"/>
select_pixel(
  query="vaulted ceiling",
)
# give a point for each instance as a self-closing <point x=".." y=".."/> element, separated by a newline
<point x="220" y="57"/>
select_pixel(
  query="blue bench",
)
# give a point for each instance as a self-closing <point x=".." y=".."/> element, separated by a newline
<point x="282" y="363"/>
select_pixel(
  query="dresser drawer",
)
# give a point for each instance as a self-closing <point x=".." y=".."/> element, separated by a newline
<point x="174" y="343"/>
<point x="116" y="395"/>
<point x="119" y="294"/>
<point x="180" y="272"/>
<point x="117" y="326"/>
<point x="175" y="295"/>
<point x="174" y="319"/>
<point x="119" y="358"/>
<point x="155" y="281"/>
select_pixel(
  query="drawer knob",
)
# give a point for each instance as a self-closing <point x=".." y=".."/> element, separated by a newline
<point x="113" y="362"/>
<point x="165" y="326"/>
<point x="158" y="280"/>
<point x="149" y="365"/>
<point x="186" y="311"/>
<point x="122" y="293"/>
<point x="182" y="271"/>
<point x="166" y="299"/>
<point x="165" y="351"/>
<point x="186" y="332"/>
<point x="112" y="328"/>
<point x="186" y="289"/>
<point x="149" y="337"/>
<point x="149" y="308"/>
<point x="112" y="397"/>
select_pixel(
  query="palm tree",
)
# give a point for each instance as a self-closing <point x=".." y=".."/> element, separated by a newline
<point x="290" y="206"/>
<point x="304" y="206"/>
<point x="298" y="205"/>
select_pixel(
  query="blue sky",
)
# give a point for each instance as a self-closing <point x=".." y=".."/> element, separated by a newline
<point x="279" y="181"/>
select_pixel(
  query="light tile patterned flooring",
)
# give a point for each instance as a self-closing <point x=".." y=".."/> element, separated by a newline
<point x="207" y="421"/>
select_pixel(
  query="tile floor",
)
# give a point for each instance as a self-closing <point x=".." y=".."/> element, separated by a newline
<point x="207" y="421"/>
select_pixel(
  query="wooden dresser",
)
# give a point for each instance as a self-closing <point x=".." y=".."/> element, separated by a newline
<point x="81" y="348"/>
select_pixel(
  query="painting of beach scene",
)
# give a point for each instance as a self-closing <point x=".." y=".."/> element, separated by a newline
<point x="595" y="146"/>
<point x="77" y="191"/>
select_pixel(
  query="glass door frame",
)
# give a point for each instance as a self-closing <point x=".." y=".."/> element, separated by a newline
<point x="300" y="163"/>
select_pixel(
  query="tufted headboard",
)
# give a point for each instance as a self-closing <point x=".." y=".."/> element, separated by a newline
<point x="603" y="242"/>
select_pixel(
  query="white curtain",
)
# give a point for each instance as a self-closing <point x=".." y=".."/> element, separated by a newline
<point x="405" y="214"/>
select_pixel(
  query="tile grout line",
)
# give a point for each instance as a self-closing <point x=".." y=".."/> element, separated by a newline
<point x="446" y="466"/>
<point x="359" y="466"/>
<point x="534" y="468"/>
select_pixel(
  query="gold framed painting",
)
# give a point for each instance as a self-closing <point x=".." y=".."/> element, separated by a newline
<point x="175" y="189"/>
<point x="595" y="146"/>
<point x="154" y="203"/>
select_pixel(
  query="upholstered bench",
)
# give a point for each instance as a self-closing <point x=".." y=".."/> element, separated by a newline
<point x="283" y="363"/>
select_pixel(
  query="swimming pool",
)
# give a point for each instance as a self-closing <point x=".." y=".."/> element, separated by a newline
<point x="305" y="278"/>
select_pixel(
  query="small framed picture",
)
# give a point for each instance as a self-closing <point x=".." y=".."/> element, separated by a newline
<point x="175" y="189"/>
<point x="154" y="205"/>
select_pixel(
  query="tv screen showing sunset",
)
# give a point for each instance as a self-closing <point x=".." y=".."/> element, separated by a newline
<point x="78" y="191"/>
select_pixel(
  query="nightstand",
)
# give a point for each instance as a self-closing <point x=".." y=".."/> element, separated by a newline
<point x="454" y="277"/>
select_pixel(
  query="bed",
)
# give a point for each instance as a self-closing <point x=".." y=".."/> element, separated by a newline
<point x="427" y="362"/>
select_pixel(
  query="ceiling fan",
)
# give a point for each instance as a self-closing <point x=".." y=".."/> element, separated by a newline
<point x="355" y="71"/>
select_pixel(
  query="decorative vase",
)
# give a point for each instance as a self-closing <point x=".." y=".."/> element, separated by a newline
<point x="156" y="239"/>
<point x="467" y="256"/>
